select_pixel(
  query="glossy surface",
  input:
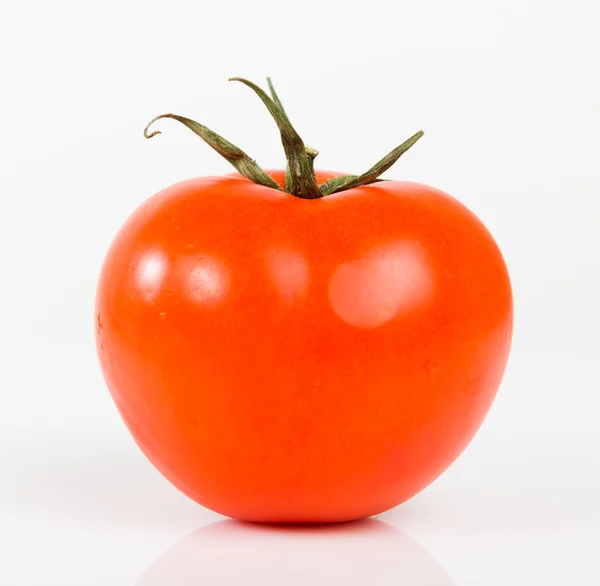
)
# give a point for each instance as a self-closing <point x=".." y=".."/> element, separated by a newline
<point x="280" y="359"/>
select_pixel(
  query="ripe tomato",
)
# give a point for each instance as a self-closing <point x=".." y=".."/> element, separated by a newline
<point x="288" y="359"/>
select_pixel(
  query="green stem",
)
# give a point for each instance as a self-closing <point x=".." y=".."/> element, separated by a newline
<point x="288" y="176"/>
<point x="338" y="184"/>
<point x="302" y="179"/>
<point x="236" y="156"/>
<point x="275" y="96"/>
<point x="312" y="153"/>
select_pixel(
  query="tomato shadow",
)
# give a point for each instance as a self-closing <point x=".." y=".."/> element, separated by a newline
<point x="356" y="553"/>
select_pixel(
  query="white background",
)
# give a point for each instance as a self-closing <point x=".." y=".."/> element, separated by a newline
<point x="509" y="95"/>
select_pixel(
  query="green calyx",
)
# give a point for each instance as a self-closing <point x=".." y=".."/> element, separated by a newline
<point x="300" y="178"/>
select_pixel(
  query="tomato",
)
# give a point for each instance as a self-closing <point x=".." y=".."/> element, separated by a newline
<point x="302" y="360"/>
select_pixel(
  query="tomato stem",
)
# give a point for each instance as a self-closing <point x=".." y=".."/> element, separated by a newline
<point x="300" y="177"/>
<point x="338" y="184"/>
<point x="235" y="155"/>
<point x="312" y="153"/>
<point x="274" y="95"/>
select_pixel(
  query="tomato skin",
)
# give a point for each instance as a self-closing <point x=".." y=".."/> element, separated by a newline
<point x="290" y="360"/>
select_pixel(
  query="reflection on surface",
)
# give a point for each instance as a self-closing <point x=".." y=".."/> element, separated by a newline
<point x="231" y="553"/>
<point x="149" y="273"/>
<point x="206" y="279"/>
<point x="389" y="281"/>
<point x="290" y="273"/>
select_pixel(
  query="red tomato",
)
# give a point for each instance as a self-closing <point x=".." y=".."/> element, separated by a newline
<point x="284" y="359"/>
